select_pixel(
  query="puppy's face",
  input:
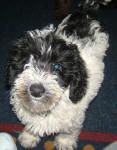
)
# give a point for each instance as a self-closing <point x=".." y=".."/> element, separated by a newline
<point x="41" y="69"/>
<point x="37" y="86"/>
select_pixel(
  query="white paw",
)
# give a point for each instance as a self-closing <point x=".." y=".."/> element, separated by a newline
<point x="64" y="142"/>
<point x="28" y="140"/>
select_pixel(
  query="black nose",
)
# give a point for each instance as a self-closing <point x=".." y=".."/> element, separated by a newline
<point x="37" y="90"/>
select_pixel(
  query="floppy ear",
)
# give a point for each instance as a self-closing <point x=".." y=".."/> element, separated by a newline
<point x="78" y="84"/>
<point x="17" y="57"/>
<point x="14" y="67"/>
<point x="19" y="54"/>
<point x="10" y="72"/>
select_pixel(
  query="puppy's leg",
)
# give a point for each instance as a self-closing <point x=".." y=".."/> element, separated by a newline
<point x="28" y="140"/>
<point x="66" y="141"/>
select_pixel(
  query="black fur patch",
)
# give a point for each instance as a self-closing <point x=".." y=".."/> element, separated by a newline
<point x="73" y="68"/>
<point x="78" y="24"/>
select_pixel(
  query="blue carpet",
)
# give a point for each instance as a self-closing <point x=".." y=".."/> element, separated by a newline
<point x="19" y="16"/>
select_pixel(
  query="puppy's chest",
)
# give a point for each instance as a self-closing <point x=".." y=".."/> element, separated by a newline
<point x="52" y="123"/>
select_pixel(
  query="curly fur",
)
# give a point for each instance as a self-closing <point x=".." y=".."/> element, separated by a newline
<point x="78" y="47"/>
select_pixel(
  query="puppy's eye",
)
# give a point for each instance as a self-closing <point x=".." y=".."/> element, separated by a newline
<point x="26" y="67"/>
<point x="57" y="67"/>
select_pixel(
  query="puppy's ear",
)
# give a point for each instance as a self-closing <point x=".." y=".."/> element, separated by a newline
<point x="10" y="72"/>
<point x="13" y="65"/>
<point x="17" y="57"/>
<point x="78" y="84"/>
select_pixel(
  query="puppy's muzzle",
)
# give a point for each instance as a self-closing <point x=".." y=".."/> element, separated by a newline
<point x="37" y="90"/>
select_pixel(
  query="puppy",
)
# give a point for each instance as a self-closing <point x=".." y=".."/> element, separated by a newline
<point x="54" y="73"/>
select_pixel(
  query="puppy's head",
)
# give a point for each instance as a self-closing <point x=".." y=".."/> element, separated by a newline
<point x="41" y="69"/>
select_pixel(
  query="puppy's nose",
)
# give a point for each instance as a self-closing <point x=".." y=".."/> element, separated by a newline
<point x="37" y="90"/>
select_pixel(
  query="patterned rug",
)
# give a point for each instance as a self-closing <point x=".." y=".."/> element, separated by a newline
<point x="90" y="136"/>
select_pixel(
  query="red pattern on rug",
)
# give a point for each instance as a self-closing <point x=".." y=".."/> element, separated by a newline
<point x="85" y="135"/>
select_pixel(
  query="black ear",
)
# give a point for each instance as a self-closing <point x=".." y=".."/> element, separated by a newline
<point x="10" y="73"/>
<point x="17" y="57"/>
<point x="78" y="84"/>
<point x="16" y="60"/>
<point x="19" y="54"/>
<point x="14" y="66"/>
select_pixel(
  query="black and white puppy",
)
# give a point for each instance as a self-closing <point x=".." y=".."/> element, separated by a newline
<point x="54" y="73"/>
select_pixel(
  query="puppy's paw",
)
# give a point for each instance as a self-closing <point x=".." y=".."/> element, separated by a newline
<point x="28" y="140"/>
<point x="65" y="142"/>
